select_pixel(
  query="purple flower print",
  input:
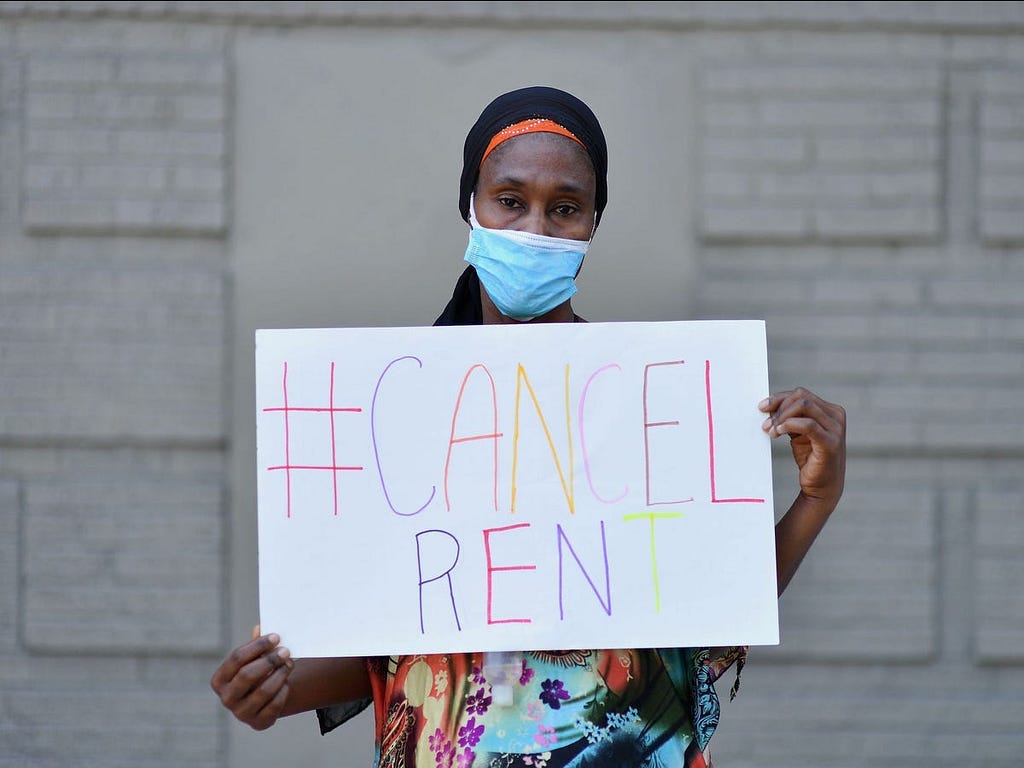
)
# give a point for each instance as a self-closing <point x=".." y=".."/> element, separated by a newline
<point x="444" y="750"/>
<point x="526" y="675"/>
<point x="465" y="760"/>
<point x="553" y="694"/>
<point x="478" y="703"/>
<point x="436" y="740"/>
<point x="545" y="735"/>
<point x="477" y="676"/>
<point x="470" y="733"/>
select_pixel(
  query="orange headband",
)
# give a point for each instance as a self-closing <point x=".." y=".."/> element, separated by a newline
<point x="533" y="125"/>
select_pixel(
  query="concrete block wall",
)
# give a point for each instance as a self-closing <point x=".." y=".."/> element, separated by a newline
<point x="876" y="228"/>
<point x="132" y="141"/>
<point x="859" y="170"/>
<point x="804" y="148"/>
<point x="113" y="320"/>
<point x="1001" y="175"/>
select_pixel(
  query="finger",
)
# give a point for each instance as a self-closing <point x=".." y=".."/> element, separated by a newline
<point x="238" y="658"/>
<point x="771" y="402"/>
<point x="802" y="404"/>
<point x="804" y="397"/>
<point x="267" y="716"/>
<point x="253" y="675"/>
<point x="279" y="657"/>
<point x="255" y="632"/>
<point x="806" y="427"/>
<point x="771" y="405"/>
<point x="284" y="658"/>
<point x="248" y="709"/>
<point x="803" y="410"/>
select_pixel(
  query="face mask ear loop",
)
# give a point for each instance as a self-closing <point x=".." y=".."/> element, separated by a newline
<point x="473" y="223"/>
<point x="593" y="230"/>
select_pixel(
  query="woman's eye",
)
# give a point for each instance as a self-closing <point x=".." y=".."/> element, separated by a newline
<point x="508" y="202"/>
<point x="565" y="210"/>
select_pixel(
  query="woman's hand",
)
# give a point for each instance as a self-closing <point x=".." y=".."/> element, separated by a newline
<point x="253" y="680"/>
<point x="817" y="432"/>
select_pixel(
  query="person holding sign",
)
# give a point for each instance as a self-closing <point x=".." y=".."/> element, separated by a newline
<point x="533" y="189"/>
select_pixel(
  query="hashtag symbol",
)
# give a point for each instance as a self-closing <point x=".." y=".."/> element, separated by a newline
<point x="288" y="467"/>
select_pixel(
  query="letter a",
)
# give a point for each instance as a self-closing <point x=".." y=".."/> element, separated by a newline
<point x="493" y="435"/>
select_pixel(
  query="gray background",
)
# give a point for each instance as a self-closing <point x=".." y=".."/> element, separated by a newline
<point x="174" y="175"/>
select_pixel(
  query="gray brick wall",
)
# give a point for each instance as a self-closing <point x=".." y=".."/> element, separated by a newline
<point x="113" y="318"/>
<point x="858" y="172"/>
<point x="10" y="505"/>
<point x="932" y="16"/>
<point x="819" y="149"/>
<point x="111" y="560"/>
<point x="904" y="615"/>
<point x="894" y="703"/>
<point x="116" y="606"/>
<point x="132" y="722"/>
<point x="999" y="575"/>
<point x="1001" y="178"/>
<point x="125" y="141"/>
<point x="904" y="335"/>
<point x="869" y="592"/>
<point x="108" y="344"/>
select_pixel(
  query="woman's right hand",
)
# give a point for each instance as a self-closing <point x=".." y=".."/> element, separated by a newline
<point x="253" y="680"/>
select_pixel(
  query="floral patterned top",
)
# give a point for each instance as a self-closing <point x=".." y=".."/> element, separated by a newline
<point x="645" y="707"/>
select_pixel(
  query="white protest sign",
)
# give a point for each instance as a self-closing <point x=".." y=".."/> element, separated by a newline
<point x="526" y="487"/>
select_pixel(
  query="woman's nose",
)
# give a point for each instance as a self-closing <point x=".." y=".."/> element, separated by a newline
<point x="536" y="222"/>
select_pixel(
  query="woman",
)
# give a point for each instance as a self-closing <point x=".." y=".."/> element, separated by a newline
<point x="533" y="189"/>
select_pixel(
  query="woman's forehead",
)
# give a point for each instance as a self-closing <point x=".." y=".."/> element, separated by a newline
<point x="546" y="153"/>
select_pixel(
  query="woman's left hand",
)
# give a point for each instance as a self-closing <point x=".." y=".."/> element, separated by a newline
<point x="817" y="432"/>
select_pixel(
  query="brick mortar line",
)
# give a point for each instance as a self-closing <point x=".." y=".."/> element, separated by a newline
<point x="765" y="20"/>
<point x="862" y="451"/>
<point x="133" y="443"/>
<point x="113" y="651"/>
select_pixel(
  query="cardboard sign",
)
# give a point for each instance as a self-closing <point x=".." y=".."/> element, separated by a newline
<point x="527" y="487"/>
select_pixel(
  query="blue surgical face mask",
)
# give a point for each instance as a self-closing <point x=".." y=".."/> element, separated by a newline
<point x="526" y="275"/>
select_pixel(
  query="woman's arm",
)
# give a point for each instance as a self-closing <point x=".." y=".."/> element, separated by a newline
<point x="817" y="432"/>
<point x="260" y="682"/>
<point x="317" y="683"/>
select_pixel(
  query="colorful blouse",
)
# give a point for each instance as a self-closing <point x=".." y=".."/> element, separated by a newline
<point x="646" y="707"/>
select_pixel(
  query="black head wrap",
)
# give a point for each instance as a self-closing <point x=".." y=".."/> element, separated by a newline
<point x="540" y="102"/>
<point x="509" y="109"/>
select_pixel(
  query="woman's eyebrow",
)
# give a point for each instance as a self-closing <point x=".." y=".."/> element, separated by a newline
<point x="510" y="181"/>
<point x="514" y="181"/>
